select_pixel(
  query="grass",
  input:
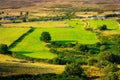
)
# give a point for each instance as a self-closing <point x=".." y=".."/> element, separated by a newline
<point x="42" y="24"/>
<point x="9" y="35"/>
<point x="29" y="68"/>
<point x="33" y="47"/>
<point x="111" y="24"/>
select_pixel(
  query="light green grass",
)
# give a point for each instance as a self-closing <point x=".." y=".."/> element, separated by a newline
<point x="40" y="24"/>
<point x="111" y="24"/>
<point x="9" y="35"/>
<point x="33" y="47"/>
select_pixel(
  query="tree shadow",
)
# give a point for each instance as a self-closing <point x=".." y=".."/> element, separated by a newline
<point x="65" y="41"/>
<point x="23" y="52"/>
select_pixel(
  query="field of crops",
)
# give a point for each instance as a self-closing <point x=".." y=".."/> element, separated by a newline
<point x="33" y="47"/>
<point x="9" y="35"/>
<point x="42" y="24"/>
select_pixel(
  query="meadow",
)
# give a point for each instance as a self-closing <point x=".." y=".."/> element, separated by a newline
<point x="32" y="46"/>
<point x="39" y="24"/>
<point x="9" y="35"/>
<point x="111" y="24"/>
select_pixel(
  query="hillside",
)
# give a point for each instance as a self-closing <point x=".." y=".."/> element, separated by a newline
<point x="16" y="4"/>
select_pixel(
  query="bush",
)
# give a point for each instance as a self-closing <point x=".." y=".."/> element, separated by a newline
<point x="103" y="48"/>
<point x="4" y="49"/>
<point x="45" y="36"/>
<point x="107" y="56"/>
<point x="92" y="61"/>
<point x="81" y="47"/>
<point x="104" y="27"/>
<point x="110" y="76"/>
<point x="73" y="69"/>
<point x="110" y="68"/>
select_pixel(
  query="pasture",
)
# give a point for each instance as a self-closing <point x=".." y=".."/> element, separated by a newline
<point x="40" y="24"/>
<point x="111" y="24"/>
<point x="9" y="35"/>
<point x="33" y="47"/>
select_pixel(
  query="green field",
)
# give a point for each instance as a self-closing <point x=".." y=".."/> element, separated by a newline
<point x="9" y="35"/>
<point x="111" y="24"/>
<point x="33" y="47"/>
<point x="40" y="24"/>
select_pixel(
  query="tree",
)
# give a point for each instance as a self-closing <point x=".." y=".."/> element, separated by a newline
<point x="21" y="13"/>
<point x="3" y="48"/>
<point x="45" y="36"/>
<point x="73" y="69"/>
<point x="104" y="27"/>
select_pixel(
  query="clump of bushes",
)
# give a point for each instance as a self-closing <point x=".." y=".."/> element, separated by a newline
<point x="103" y="27"/>
<point x="4" y="49"/>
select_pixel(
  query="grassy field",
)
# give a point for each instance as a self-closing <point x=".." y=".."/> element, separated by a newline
<point x="42" y="24"/>
<point x="111" y="24"/>
<point x="33" y="47"/>
<point x="9" y="35"/>
<point x="29" y="68"/>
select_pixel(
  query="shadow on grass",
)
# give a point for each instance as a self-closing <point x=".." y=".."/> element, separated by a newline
<point x="23" y="52"/>
<point x="65" y="41"/>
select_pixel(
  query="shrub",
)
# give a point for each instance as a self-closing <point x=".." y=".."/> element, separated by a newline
<point x="81" y="47"/>
<point x="92" y="61"/>
<point x="107" y="56"/>
<point x="103" y="48"/>
<point x="110" y="68"/>
<point x="73" y="69"/>
<point x="110" y="76"/>
<point x="104" y="27"/>
<point x="45" y="36"/>
<point x="3" y="48"/>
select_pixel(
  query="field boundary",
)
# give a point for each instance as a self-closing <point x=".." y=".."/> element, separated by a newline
<point x="20" y="38"/>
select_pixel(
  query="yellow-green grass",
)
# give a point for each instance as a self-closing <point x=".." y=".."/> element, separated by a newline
<point x="40" y="24"/>
<point x="7" y="69"/>
<point x="9" y="35"/>
<point x="111" y="24"/>
<point x="33" y="47"/>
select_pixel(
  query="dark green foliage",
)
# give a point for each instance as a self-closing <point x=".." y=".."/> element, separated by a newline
<point x="49" y="76"/>
<point x="73" y="69"/>
<point x="103" y="48"/>
<point x="81" y="47"/>
<point x="45" y="36"/>
<point x="24" y="20"/>
<point x="92" y="61"/>
<point x="110" y="68"/>
<point x="4" y="49"/>
<point x="104" y="27"/>
<point x="110" y="76"/>
<point x="98" y="44"/>
<point x="107" y="56"/>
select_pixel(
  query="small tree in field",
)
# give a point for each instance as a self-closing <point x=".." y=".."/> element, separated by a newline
<point x="45" y="36"/>
<point x="104" y="27"/>
<point x="3" y="48"/>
